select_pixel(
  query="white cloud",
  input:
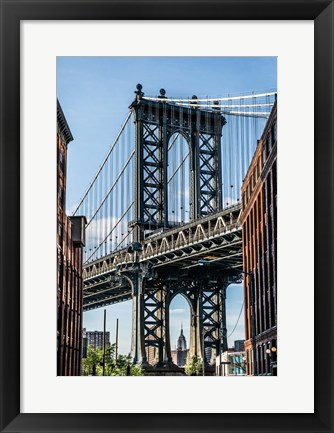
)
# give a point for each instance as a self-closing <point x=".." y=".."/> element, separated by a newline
<point x="99" y="229"/>
<point x="177" y="311"/>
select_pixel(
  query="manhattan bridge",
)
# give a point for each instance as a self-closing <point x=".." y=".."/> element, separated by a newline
<point x="163" y="216"/>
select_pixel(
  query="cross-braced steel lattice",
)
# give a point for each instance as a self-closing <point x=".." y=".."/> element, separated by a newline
<point x="156" y="122"/>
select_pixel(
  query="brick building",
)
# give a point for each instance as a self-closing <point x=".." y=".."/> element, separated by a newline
<point x="259" y="228"/>
<point x="70" y="241"/>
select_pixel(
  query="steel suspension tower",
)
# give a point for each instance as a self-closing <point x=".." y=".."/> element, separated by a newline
<point x="156" y="122"/>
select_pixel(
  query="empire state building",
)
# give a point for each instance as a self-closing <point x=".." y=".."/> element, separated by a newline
<point x="181" y="341"/>
<point x="179" y="356"/>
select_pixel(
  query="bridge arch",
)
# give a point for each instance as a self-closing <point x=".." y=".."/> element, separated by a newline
<point x="178" y="177"/>
<point x="181" y="132"/>
<point x="184" y="295"/>
<point x="180" y="311"/>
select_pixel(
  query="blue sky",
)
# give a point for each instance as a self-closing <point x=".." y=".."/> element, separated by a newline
<point x="95" y="93"/>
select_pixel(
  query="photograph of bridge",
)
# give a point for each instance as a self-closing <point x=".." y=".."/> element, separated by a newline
<point x="167" y="216"/>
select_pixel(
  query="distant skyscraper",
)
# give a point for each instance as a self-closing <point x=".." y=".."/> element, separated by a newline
<point x="181" y="341"/>
<point x="179" y="356"/>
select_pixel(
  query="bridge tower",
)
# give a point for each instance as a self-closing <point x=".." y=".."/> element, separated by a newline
<point x="156" y="121"/>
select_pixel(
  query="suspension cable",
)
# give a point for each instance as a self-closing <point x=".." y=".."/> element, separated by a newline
<point x="104" y="161"/>
<point x="242" y="306"/>
<point x="229" y="98"/>
<point x="178" y="167"/>
<point x="112" y="187"/>
<point x="114" y="227"/>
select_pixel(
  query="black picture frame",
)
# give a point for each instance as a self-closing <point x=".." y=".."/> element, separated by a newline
<point x="12" y="12"/>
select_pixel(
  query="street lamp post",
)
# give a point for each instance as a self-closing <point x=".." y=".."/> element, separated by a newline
<point x="220" y="344"/>
<point x="104" y="343"/>
<point x="251" y="289"/>
<point x="222" y="329"/>
<point x="203" y="350"/>
<point x="271" y="353"/>
<point x="194" y="316"/>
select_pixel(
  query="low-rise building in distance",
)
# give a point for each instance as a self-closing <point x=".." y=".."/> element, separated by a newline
<point x="95" y="338"/>
<point x="231" y="363"/>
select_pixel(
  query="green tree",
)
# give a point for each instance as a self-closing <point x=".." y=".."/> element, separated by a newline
<point x="193" y="366"/>
<point x="93" y="364"/>
<point x="122" y="367"/>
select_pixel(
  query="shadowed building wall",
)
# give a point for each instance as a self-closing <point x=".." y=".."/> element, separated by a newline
<point x="70" y="241"/>
<point x="259" y="232"/>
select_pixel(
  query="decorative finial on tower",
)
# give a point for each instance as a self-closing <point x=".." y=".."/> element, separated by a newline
<point x="193" y="101"/>
<point x="139" y="92"/>
<point x="162" y="94"/>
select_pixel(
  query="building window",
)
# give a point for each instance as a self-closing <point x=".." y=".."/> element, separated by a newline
<point x="273" y="133"/>
<point x="61" y="162"/>
<point x="264" y="155"/>
<point x="61" y="197"/>
<point x="268" y="145"/>
<point x="60" y="233"/>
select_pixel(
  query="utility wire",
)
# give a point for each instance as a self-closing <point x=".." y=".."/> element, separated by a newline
<point x="242" y="306"/>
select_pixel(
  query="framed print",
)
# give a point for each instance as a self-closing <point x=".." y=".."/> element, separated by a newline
<point x="193" y="196"/>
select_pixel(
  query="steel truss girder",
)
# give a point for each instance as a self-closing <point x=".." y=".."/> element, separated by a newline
<point x="218" y="234"/>
<point x="105" y="290"/>
<point x="190" y="252"/>
<point x="108" y="300"/>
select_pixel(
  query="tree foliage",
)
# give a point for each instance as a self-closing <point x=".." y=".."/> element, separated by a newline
<point x="193" y="366"/>
<point x="92" y="365"/>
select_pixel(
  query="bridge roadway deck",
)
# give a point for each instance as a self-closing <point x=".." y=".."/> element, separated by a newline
<point x="178" y="251"/>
